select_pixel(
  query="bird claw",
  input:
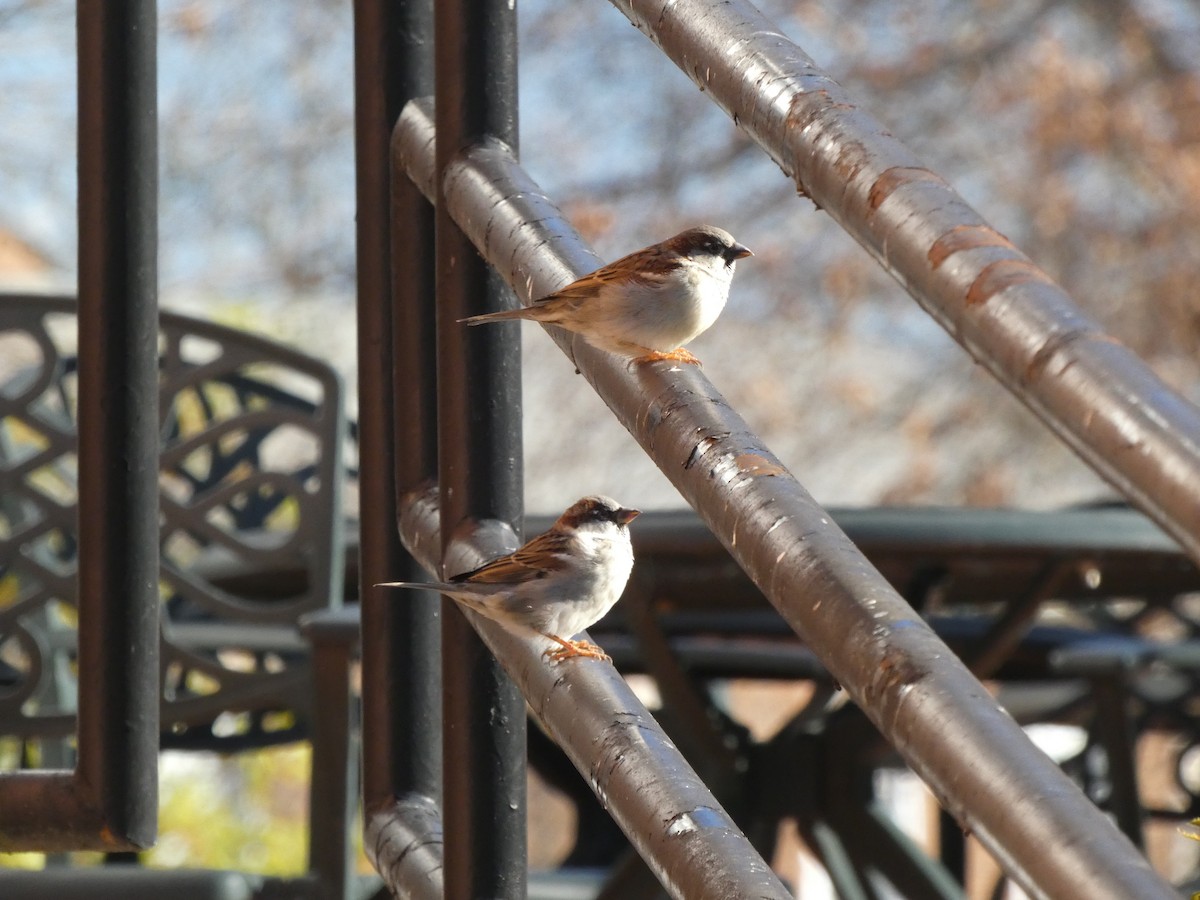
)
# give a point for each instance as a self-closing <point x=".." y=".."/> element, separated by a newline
<point x="572" y="649"/>
<point x="679" y="354"/>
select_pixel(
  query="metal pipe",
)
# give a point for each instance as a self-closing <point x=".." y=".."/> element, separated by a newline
<point x="1093" y="392"/>
<point x="973" y="756"/>
<point x="48" y="811"/>
<point x="401" y="653"/>
<point x="417" y="699"/>
<point x="406" y="848"/>
<point x="333" y="635"/>
<point x="110" y="801"/>
<point x="1014" y="621"/>
<point x="682" y="832"/>
<point x="400" y="742"/>
<point x="118" y="419"/>
<point x="1115" y="733"/>
<point x="479" y="465"/>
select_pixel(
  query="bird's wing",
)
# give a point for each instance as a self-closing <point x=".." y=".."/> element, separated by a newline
<point x="644" y="267"/>
<point x="545" y="554"/>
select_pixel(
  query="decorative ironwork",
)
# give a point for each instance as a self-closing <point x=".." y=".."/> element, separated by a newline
<point x="250" y="516"/>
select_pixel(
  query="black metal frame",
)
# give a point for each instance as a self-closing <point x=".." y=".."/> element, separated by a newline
<point x="110" y="801"/>
<point x="480" y="475"/>
<point x="401" y="642"/>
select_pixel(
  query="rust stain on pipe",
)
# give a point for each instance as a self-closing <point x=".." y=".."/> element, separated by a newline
<point x="966" y="237"/>
<point x="1000" y="276"/>
<point x="756" y="465"/>
<point x="897" y="177"/>
<point x="807" y="106"/>
<point x="1058" y="342"/>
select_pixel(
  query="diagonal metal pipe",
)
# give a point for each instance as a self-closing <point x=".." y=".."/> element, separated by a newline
<point x="405" y="845"/>
<point x="682" y="832"/>
<point x="974" y="757"/>
<point x="1097" y="395"/>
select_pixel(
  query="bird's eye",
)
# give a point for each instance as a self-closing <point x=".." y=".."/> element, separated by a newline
<point x="602" y="514"/>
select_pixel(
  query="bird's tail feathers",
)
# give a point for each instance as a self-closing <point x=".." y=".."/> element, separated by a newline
<point x="503" y="315"/>
<point x="461" y="589"/>
<point x="473" y="596"/>
<point x="548" y="309"/>
<point x="418" y="585"/>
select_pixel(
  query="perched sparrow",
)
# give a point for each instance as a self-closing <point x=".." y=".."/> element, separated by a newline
<point x="648" y="304"/>
<point x="559" y="583"/>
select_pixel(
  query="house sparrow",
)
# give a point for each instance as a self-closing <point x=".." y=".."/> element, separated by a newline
<point x="646" y="305"/>
<point x="559" y="583"/>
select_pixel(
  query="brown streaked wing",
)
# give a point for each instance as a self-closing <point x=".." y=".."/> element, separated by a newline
<point x="641" y="267"/>
<point x="546" y="553"/>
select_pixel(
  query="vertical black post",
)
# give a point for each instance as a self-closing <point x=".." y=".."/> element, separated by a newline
<point x="417" y="695"/>
<point x="401" y="715"/>
<point x="479" y="463"/>
<point x="118" y="414"/>
<point x="1116" y="735"/>
<point x="333" y="635"/>
<point x="952" y="847"/>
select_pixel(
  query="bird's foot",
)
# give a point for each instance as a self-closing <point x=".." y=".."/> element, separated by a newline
<point x="571" y="649"/>
<point x="679" y="354"/>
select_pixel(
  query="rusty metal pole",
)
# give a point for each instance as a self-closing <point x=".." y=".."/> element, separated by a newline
<point x="479" y="465"/>
<point x="1093" y="392"/>
<point x="974" y="757"/>
<point x="401" y="655"/>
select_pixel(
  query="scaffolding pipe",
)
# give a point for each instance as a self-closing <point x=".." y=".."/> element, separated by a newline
<point x="975" y="758"/>
<point x="681" y="831"/>
<point x="1097" y="395"/>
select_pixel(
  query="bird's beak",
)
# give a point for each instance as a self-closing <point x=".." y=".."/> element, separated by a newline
<point x="736" y="252"/>
<point x="625" y="516"/>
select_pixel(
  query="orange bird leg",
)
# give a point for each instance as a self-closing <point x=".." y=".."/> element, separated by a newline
<point x="679" y="354"/>
<point x="571" y="649"/>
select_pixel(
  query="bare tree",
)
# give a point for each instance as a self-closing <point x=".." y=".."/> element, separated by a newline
<point x="1071" y="124"/>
